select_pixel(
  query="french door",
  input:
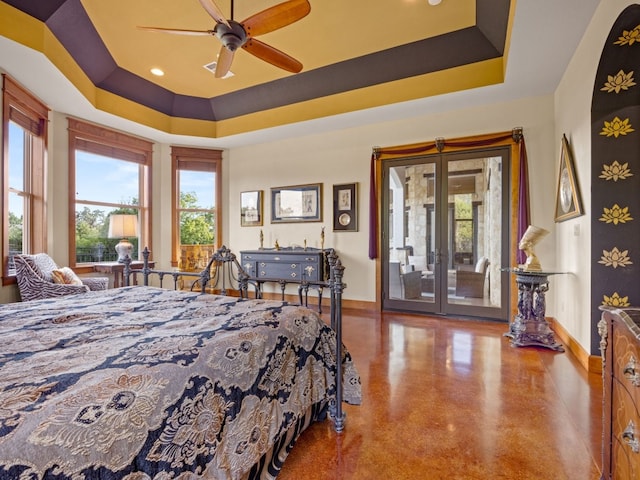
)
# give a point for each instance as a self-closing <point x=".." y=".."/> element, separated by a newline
<point x="446" y="233"/>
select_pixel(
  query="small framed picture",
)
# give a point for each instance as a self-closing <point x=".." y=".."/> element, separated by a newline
<point x="568" y="201"/>
<point x="251" y="208"/>
<point x="298" y="203"/>
<point x="345" y="207"/>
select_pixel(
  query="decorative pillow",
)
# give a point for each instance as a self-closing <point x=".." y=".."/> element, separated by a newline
<point x="65" y="275"/>
<point x="419" y="262"/>
<point x="482" y="264"/>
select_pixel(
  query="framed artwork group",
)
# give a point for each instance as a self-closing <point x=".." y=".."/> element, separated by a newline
<point x="302" y="203"/>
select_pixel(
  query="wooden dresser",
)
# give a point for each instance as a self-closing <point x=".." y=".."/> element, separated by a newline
<point x="620" y="344"/>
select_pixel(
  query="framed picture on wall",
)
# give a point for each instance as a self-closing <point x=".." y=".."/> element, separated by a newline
<point x="568" y="202"/>
<point x="298" y="203"/>
<point x="345" y="207"/>
<point x="251" y="208"/>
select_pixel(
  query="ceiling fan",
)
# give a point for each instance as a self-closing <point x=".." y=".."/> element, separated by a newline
<point x="234" y="34"/>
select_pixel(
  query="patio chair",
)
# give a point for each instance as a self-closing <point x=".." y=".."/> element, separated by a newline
<point x="471" y="284"/>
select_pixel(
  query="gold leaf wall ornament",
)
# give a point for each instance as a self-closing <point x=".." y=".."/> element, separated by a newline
<point x="616" y="127"/>
<point x="616" y="171"/>
<point x="616" y="215"/>
<point x="619" y="81"/>
<point x="615" y="258"/>
<point x="616" y="300"/>
<point x="629" y="37"/>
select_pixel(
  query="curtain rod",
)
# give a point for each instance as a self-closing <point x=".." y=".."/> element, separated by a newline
<point x="439" y="142"/>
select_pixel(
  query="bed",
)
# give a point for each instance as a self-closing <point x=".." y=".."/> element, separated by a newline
<point x="148" y="383"/>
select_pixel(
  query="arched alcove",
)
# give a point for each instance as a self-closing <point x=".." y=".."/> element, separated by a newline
<point x="615" y="171"/>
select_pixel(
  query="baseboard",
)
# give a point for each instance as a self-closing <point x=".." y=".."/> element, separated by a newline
<point x="361" y="305"/>
<point x="591" y="363"/>
<point x="326" y="302"/>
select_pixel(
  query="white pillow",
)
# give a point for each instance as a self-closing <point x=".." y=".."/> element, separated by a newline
<point x="66" y="276"/>
<point x="482" y="264"/>
<point x="419" y="262"/>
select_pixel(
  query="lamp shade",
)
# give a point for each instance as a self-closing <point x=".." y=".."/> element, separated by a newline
<point x="123" y="226"/>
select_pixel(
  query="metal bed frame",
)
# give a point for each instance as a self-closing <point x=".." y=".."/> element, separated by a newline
<point x="224" y="272"/>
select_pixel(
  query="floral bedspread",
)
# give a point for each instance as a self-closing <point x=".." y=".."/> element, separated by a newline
<point x="142" y="383"/>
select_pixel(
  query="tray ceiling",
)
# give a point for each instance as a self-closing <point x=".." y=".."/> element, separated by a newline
<point x="356" y="54"/>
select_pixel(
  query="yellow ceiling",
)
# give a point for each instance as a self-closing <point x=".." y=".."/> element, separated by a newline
<point x="334" y="31"/>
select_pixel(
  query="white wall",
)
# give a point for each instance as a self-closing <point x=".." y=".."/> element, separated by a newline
<point x="344" y="157"/>
<point x="573" y="118"/>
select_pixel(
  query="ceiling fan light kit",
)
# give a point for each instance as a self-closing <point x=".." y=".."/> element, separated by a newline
<point x="234" y="35"/>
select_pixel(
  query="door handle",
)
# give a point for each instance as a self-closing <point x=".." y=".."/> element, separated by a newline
<point x="438" y="256"/>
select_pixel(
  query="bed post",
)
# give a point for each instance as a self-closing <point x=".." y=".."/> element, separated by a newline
<point x="336" y="287"/>
<point x="145" y="266"/>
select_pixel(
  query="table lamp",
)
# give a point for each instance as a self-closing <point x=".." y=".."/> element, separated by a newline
<point x="123" y="226"/>
<point x="531" y="236"/>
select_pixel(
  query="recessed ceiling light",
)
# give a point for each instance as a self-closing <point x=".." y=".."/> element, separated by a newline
<point x="157" y="72"/>
<point x="434" y="2"/>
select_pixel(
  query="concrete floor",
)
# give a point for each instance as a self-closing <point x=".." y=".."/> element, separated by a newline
<point x="452" y="399"/>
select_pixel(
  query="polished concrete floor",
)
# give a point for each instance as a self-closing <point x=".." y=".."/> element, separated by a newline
<point x="451" y="399"/>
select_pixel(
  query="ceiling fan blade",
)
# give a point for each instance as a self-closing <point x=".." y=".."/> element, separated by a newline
<point x="178" y="31"/>
<point x="213" y="10"/>
<point x="225" y="58"/>
<point x="276" y="17"/>
<point x="272" y="55"/>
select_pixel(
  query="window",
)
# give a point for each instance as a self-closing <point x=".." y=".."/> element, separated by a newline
<point x="109" y="173"/>
<point x="196" y="180"/>
<point x="463" y="224"/>
<point x="24" y="134"/>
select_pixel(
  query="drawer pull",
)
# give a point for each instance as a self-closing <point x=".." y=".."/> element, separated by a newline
<point x="629" y="437"/>
<point x="630" y="372"/>
<point x="277" y="259"/>
<point x="294" y="265"/>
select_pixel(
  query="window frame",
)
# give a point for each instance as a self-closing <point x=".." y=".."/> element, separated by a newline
<point x="103" y="141"/>
<point x="193" y="159"/>
<point x="27" y="111"/>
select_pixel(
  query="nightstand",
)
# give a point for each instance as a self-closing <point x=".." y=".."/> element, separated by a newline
<point x="117" y="270"/>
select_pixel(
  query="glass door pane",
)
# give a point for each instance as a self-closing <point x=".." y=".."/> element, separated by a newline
<point x="446" y="225"/>
<point x="474" y="223"/>
<point x="410" y="239"/>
